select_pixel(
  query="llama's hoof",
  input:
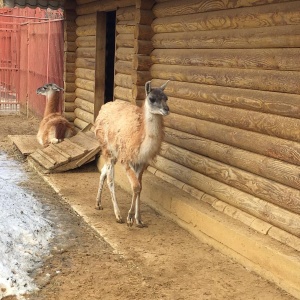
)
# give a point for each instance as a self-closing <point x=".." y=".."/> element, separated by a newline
<point x="129" y="221"/>
<point x="119" y="220"/>
<point x="140" y="224"/>
<point x="99" y="207"/>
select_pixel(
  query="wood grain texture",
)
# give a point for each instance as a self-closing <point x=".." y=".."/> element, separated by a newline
<point x="88" y="74"/>
<point x="124" y="54"/>
<point x="125" y="13"/>
<point x="85" y="105"/>
<point x="84" y="115"/>
<point x="125" y="40"/>
<point x="85" y="95"/>
<point x="86" y="41"/>
<point x="265" y="59"/>
<point x="86" y="52"/>
<point x="85" y="63"/>
<point x="273" y="125"/>
<point x="124" y="67"/>
<point x="126" y="27"/>
<point x="84" y="20"/>
<point x="123" y="80"/>
<point x="287" y="151"/>
<point x="255" y="206"/>
<point x="266" y="189"/>
<point x="268" y="102"/>
<point x="267" y="167"/>
<point x="252" y="17"/>
<point x="179" y="7"/>
<point x="85" y="84"/>
<point x="86" y="30"/>
<point x="269" y="37"/>
<point x="265" y="80"/>
<point x="123" y="93"/>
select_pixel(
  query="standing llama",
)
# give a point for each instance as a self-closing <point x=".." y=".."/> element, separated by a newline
<point x="132" y="135"/>
<point x="54" y="127"/>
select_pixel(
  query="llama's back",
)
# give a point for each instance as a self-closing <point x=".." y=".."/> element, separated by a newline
<point x="118" y="130"/>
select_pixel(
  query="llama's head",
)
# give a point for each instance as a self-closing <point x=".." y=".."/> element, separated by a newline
<point x="156" y="99"/>
<point x="48" y="88"/>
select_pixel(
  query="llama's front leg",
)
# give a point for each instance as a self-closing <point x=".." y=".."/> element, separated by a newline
<point x="135" y="177"/>
<point x="111" y="186"/>
<point x="101" y="182"/>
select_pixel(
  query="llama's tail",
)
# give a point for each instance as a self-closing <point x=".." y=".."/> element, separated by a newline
<point x="63" y="130"/>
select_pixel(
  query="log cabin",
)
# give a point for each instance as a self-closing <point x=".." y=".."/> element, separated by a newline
<point x="229" y="167"/>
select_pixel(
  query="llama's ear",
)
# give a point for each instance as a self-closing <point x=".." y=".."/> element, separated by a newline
<point x="148" y="87"/>
<point x="164" y="85"/>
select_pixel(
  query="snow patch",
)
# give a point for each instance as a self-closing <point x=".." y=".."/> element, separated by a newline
<point x="24" y="232"/>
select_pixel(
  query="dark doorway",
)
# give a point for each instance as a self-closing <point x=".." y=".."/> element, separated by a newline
<point x="105" y="59"/>
<point x="110" y="55"/>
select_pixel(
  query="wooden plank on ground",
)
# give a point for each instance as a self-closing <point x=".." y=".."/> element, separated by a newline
<point x="27" y="144"/>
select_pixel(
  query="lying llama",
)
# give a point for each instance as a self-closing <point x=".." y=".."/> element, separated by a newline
<point x="132" y="135"/>
<point x="54" y="127"/>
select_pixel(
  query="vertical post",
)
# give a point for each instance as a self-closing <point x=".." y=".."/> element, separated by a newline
<point x="100" y="62"/>
<point x="48" y="51"/>
<point x="27" y="92"/>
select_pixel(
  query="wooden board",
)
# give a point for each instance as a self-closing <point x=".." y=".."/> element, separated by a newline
<point x="69" y="154"/>
<point x="27" y="144"/>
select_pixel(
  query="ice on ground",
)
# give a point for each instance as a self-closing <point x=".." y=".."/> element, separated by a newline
<point x="24" y="232"/>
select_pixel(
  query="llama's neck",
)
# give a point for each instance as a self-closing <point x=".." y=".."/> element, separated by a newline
<point x="52" y="103"/>
<point x="153" y="134"/>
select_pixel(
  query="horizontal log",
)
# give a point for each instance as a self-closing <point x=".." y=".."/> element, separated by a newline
<point x="283" y="36"/>
<point x="70" y="116"/>
<point x="266" y="102"/>
<point x="69" y="57"/>
<point x="70" y="26"/>
<point x="269" y="146"/>
<point x="126" y="27"/>
<point x="144" y="17"/>
<point x="69" y="77"/>
<point x="123" y="80"/>
<point x="180" y="7"/>
<point x="254" y="206"/>
<point x="124" y="67"/>
<point x="69" y="46"/>
<point x="141" y="77"/>
<point x="85" y="84"/>
<point x="85" y="74"/>
<point x="125" y="40"/>
<point x="69" y="87"/>
<point x="86" y="63"/>
<point x="84" y="20"/>
<point x="253" y="17"/>
<point x="88" y="30"/>
<point x="80" y="123"/>
<point x="69" y="97"/>
<point x="143" y="47"/>
<point x="147" y="5"/>
<point x="138" y="92"/>
<point x="265" y="189"/>
<point x="282" y="127"/>
<point x="142" y="62"/>
<point x="85" y="95"/>
<point x="267" y="167"/>
<point x="284" y="237"/>
<point x="86" y="41"/>
<point x="70" y="67"/>
<point x="125" y="13"/>
<point x="86" y="52"/>
<point x="273" y="59"/>
<point x="103" y="5"/>
<point x="124" y="54"/>
<point x="84" y="115"/>
<point x="70" y="36"/>
<point x="143" y="32"/>
<point x="85" y="105"/>
<point x="265" y="80"/>
<point x="123" y="93"/>
<point x="80" y="2"/>
<point x="69" y="107"/>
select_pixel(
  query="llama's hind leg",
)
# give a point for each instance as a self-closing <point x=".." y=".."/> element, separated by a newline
<point x="111" y="186"/>
<point x="103" y="175"/>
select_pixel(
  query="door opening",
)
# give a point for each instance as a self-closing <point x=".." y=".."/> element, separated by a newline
<point x="110" y="55"/>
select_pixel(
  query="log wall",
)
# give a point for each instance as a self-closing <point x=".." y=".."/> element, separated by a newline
<point x="69" y="60"/>
<point x="233" y="135"/>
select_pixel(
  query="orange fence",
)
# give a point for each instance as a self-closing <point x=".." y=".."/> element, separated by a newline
<point x="31" y="54"/>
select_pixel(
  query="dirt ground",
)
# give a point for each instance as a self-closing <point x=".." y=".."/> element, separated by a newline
<point x="161" y="261"/>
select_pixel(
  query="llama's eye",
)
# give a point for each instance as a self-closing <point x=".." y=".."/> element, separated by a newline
<point x="152" y="100"/>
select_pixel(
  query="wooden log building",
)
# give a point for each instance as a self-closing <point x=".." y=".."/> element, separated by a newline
<point x="231" y="155"/>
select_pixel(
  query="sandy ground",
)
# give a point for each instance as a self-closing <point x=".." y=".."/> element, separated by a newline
<point x="112" y="261"/>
